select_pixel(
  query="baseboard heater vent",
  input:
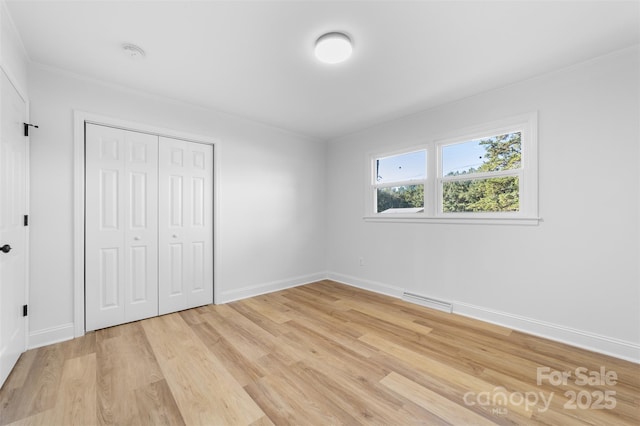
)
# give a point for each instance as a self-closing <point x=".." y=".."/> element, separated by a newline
<point x="428" y="302"/>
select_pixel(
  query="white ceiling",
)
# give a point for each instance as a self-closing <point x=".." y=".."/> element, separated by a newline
<point x="255" y="59"/>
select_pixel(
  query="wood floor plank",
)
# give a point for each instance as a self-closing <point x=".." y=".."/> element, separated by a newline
<point x="242" y="369"/>
<point x="265" y="305"/>
<point x="331" y="352"/>
<point x="292" y="402"/>
<point x="311" y="291"/>
<point x="204" y="390"/>
<point x="262" y="421"/>
<point x="385" y="315"/>
<point x="431" y="401"/>
<point x="81" y="346"/>
<point x="358" y="393"/>
<point x="313" y="304"/>
<point x="257" y="317"/>
<point x="192" y="316"/>
<point x="249" y="339"/>
<point x="252" y="345"/>
<point x="370" y="323"/>
<point x="322" y="319"/>
<point x="19" y="374"/>
<point x="310" y="396"/>
<point x="40" y="390"/>
<point x="342" y="397"/>
<point x="76" y="397"/>
<point x="319" y="354"/>
<point x="326" y="326"/>
<point x="156" y="405"/>
<point x="125" y="363"/>
<point x="445" y="318"/>
<point x="433" y="367"/>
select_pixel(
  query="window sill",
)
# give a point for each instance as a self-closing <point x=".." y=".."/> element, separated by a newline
<point x="523" y="221"/>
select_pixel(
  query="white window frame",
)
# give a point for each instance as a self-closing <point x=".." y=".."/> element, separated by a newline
<point x="527" y="177"/>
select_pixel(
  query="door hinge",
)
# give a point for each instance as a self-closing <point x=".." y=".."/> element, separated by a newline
<point x="26" y="128"/>
<point x="26" y="220"/>
<point x="24" y="310"/>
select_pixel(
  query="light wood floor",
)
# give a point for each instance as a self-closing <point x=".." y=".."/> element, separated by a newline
<point x="319" y="354"/>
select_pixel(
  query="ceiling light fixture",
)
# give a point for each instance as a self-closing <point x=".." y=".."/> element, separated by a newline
<point x="133" y="51"/>
<point x="333" y="48"/>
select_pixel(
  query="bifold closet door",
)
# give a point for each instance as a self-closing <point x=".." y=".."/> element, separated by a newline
<point x="121" y="220"/>
<point x="185" y="219"/>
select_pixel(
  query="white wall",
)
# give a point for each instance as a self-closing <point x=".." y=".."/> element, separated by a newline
<point x="575" y="276"/>
<point x="271" y="194"/>
<point x="13" y="58"/>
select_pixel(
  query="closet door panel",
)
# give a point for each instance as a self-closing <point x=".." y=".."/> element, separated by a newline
<point x="171" y="230"/>
<point x="201" y="224"/>
<point x="105" y="228"/>
<point x="121" y="226"/>
<point x="141" y="234"/>
<point x="185" y="225"/>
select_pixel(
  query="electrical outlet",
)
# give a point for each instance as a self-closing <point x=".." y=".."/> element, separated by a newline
<point x="361" y="261"/>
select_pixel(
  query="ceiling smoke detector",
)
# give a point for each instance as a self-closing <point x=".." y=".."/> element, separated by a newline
<point x="133" y="51"/>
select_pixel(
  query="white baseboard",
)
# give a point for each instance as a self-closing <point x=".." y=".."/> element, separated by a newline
<point x="374" y="286"/>
<point x="583" y="339"/>
<point x="270" y="287"/>
<point x="51" y="335"/>
<point x="617" y="348"/>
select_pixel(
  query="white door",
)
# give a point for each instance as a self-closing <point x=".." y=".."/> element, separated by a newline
<point x="185" y="225"/>
<point x="121" y="221"/>
<point x="13" y="207"/>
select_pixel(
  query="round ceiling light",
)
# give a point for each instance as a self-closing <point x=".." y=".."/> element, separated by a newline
<point x="333" y="48"/>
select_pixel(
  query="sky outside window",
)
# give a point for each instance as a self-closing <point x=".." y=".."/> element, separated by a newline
<point x="467" y="157"/>
<point x="462" y="157"/>
<point x="404" y="167"/>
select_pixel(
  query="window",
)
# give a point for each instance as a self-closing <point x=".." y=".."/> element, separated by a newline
<point x="483" y="175"/>
<point x="399" y="182"/>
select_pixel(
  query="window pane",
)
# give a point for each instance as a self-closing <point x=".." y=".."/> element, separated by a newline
<point x="499" y="194"/>
<point x="400" y="168"/>
<point x="492" y="154"/>
<point x="401" y="197"/>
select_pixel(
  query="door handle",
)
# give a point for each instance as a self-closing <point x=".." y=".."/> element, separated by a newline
<point x="5" y="248"/>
